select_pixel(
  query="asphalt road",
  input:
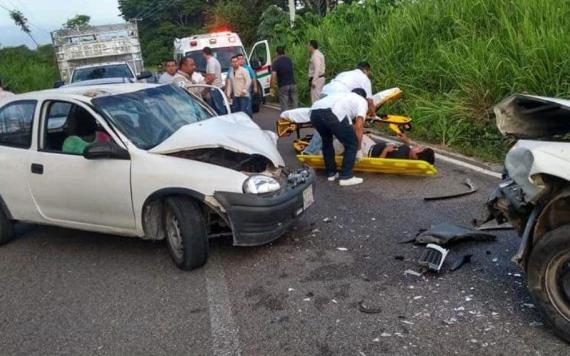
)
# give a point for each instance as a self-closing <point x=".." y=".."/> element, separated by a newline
<point x="71" y="292"/>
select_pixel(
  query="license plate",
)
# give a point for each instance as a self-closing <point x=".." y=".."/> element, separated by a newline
<point x="308" y="198"/>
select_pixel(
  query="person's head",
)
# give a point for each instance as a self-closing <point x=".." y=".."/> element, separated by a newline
<point x="423" y="154"/>
<point x="170" y="66"/>
<point x="241" y="59"/>
<point x="207" y="52"/>
<point x="365" y="67"/>
<point x="235" y="62"/>
<point x="313" y="45"/>
<point x="187" y="65"/>
<point x="280" y="51"/>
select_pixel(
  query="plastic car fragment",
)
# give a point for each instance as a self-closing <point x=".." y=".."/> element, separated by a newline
<point x="445" y="233"/>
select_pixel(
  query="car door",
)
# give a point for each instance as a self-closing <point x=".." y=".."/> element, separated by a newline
<point x="70" y="189"/>
<point x="260" y="61"/>
<point x="16" y="129"/>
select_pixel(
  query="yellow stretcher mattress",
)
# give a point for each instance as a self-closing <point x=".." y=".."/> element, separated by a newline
<point x="377" y="165"/>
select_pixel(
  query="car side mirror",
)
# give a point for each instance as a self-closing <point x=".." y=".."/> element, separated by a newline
<point x="105" y="150"/>
<point x="58" y="84"/>
<point x="255" y="64"/>
<point x="144" y="75"/>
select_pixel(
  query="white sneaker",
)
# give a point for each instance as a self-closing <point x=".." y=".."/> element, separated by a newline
<point x="333" y="178"/>
<point x="350" y="181"/>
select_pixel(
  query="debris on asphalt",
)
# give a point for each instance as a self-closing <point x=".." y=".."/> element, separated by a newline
<point x="316" y="231"/>
<point x="291" y="290"/>
<point x="494" y="225"/>
<point x="327" y="220"/>
<point x="363" y="308"/>
<point x="450" y="321"/>
<point x="468" y="183"/>
<point x="399" y="258"/>
<point x="460" y="262"/>
<point x="536" y="324"/>
<point x="307" y="299"/>
<point x="342" y="248"/>
<point x="385" y="335"/>
<point x="433" y="257"/>
<point x="445" y="233"/>
<point x="412" y="272"/>
<point x="528" y="305"/>
<point x="495" y="259"/>
<point x="418" y="297"/>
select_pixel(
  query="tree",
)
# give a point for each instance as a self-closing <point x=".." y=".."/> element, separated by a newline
<point x="20" y="20"/>
<point x="77" y="22"/>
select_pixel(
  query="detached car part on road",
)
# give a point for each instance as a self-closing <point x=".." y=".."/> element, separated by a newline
<point x="161" y="165"/>
<point x="535" y="197"/>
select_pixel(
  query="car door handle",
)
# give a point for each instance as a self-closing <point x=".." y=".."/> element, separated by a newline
<point x="37" y="168"/>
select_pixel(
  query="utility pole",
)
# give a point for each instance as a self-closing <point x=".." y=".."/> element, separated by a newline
<point x="292" y="12"/>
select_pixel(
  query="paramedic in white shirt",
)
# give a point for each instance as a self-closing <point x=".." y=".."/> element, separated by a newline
<point x="348" y="81"/>
<point x="168" y="76"/>
<point x="341" y="116"/>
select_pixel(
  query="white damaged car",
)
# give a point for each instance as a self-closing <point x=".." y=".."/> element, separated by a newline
<point x="145" y="161"/>
<point x="535" y="197"/>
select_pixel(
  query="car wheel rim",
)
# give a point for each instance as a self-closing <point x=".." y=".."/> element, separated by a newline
<point x="558" y="284"/>
<point x="174" y="236"/>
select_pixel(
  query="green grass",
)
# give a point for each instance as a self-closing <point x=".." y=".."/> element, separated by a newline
<point x="22" y="69"/>
<point x="454" y="59"/>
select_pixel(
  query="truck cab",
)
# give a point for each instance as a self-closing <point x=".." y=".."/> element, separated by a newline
<point x="224" y="46"/>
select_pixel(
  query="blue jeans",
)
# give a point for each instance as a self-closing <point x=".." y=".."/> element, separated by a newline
<point x="329" y="127"/>
<point x="216" y="101"/>
<point x="242" y="103"/>
<point x="315" y="145"/>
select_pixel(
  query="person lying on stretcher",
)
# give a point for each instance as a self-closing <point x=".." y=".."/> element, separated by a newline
<point x="380" y="149"/>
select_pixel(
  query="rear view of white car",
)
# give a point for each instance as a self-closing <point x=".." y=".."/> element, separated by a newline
<point x="145" y="161"/>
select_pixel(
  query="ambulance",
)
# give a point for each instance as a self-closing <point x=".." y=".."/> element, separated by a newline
<point x="224" y="46"/>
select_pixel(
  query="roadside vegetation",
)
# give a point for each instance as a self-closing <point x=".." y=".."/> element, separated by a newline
<point x="23" y="69"/>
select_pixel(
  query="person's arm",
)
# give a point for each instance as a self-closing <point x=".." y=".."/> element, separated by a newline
<point x="359" y="130"/>
<point x="388" y="149"/>
<point x="247" y="83"/>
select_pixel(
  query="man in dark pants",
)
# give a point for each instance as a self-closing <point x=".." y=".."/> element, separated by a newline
<point x="282" y="74"/>
<point x="333" y="116"/>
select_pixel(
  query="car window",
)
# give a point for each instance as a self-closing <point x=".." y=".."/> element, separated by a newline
<point x="69" y="128"/>
<point x="102" y="72"/>
<point x="16" y="121"/>
<point x="259" y="54"/>
<point x="223" y="55"/>
<point x="148" y="117"/>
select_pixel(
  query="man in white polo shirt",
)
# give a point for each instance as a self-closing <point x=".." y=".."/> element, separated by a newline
<point x="341" y="116"/>
<point x="347" y="81"/>
<point x="214" y="77"/>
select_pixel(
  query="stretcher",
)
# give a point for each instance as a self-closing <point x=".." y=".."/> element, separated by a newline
<point x="293" y="121"/>
<point x="377" y="165"/>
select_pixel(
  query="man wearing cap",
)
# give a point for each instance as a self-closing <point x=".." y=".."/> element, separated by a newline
<point x="341" y="116"/>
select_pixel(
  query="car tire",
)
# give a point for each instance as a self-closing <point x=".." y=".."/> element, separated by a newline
<point x="186" y="232"/>
<point x="548" y="273"/>
<point x="6" y="228"/>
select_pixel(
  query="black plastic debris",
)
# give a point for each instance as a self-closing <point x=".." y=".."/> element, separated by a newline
<point x="444" y="234"/>
<point x="468" y="183"/>
<point x="460" y="262"/>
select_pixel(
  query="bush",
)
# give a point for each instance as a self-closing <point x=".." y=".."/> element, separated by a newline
<point x="454" y="59"/>
<point x="22" y="69"/>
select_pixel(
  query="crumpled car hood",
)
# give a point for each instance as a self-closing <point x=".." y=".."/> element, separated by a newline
<point x="234" y="132"/>
<point x="529" y="116"/>
<point x="528" y="158"/>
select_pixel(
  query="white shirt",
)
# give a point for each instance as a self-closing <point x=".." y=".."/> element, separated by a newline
<point x="316" y="64"/>
<point x="343" y="105"/>
<point x="348" y="81"/>
<point x="5" y="93"/>
<point x="166" y="78"/>
<point x="214" y="67"/>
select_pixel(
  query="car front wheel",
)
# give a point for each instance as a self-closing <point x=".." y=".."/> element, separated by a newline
<point x="6" y="228"/>
<point x="186" y="233"/>
<point x="549" y="278"/>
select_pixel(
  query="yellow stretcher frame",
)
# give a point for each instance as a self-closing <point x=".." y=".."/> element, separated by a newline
<point x="377" y="165"/>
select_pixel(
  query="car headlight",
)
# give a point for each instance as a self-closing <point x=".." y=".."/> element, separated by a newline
<point x="260" y="185"/>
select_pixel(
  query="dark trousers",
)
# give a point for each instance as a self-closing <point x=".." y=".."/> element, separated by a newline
<point x="216" y="101"/>
<point x="328" y="126"/>
<point x="242" y="103"/>
<point x="288" y="97"/>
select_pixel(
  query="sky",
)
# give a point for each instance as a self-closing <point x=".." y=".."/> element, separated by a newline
<point x="48" y="15"/>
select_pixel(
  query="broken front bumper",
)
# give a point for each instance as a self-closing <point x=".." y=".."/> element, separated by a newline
<point x="258" y="220"/>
